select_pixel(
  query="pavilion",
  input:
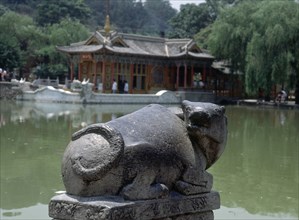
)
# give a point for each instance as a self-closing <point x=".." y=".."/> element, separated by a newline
<point x="148" y="64"/>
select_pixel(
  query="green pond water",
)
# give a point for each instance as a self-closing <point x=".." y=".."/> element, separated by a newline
<point x="257" y="175"/>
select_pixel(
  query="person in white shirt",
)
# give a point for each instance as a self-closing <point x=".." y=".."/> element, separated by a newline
<point x="282" y="96"/>
<point x="126" y="88"/>
<point x="114" y="86"/>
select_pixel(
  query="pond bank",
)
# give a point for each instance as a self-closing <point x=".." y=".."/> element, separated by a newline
<point x="271" y="104"/>
<point x="87" y="96"/>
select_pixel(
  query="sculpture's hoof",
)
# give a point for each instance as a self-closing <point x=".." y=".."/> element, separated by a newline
<point x="159" y="190"/>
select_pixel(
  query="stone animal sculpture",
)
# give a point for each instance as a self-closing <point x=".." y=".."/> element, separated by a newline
<point x="148" y="153"/>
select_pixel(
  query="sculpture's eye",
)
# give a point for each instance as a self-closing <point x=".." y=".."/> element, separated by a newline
<point x="200" y="119"/>
<point x="188" y="109"/>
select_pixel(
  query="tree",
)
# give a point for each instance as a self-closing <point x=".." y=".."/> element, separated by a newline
<point x="128" y="16"/>
<point x="9" y="50"/>
<point x="189" y="21"/>
<point x="260" y="39"/>
<point x="53" y="11"/>
<point x="25" y="46"/>
<point x="231" y="34"/>
<point x="25" y="7"/>
<point x="272" y="56"/>
<point x="159" y="13"/>
<point x="134" y="16"/>
<point x="202" y="36"/>
<point x="9" y="56"/>
<point x="193" y="18"/>
<point x="98" y="13"/>
<point x="20" y="38"/>
<point x="51" y="62"/>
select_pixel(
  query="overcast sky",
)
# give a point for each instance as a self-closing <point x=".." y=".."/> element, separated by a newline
<point x="176" y="3"/>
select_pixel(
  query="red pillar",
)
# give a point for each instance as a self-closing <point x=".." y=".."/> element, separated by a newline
<point x="204" y="73"/>
<point x="185" y="76"/>
<point x="131" y="78"/>
<point x="177" y="76"/>
<point x="103" y="75"/>
<point x="192" y="76"/>
<point x="94" y="75"/>
<point x="80" y="69"/>
<point x="112" y="73"/>
<point x="72" y="71"/>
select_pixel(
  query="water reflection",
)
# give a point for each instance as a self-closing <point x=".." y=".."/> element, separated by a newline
<point x="259" y="169"/>
<point x="257" y="173"/>
<point x="33" y="139"/>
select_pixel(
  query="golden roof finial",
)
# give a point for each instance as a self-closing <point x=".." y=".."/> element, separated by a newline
<point x="107" y="25"/>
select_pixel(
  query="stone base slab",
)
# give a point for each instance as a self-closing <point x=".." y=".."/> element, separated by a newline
<point x="175" y="207"/>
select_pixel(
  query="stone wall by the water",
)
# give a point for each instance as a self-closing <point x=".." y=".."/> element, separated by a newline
<point x="24" y="92"/>
<point x="50" y="94"/>
<point x="9" y="91"/>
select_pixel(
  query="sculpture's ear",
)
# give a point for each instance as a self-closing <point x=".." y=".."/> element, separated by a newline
<point x="177" y="111"/>
<point x="222" y="110"/>
<point x="185" y="103"/>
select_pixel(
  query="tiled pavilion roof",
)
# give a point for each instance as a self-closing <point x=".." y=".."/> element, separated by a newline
<point x="131" y="44"/>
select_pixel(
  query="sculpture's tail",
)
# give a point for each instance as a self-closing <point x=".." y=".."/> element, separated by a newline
<point x="93" y="167"/>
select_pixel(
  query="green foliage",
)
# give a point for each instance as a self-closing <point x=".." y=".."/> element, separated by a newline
<point x="64" y="33"/>
<point x="193" y="19"/>
<point x="3" y="9"/>
<point x="24" y="45"/>
<point x="20" y="37"/>
<point x="275" y="49"/>
<point x="231" y="33"/>
<point x="9" y="56"/>
<point x="159" y="12"/>
<point x="128" y="16"/>
<point x="53" y="11"/>
<point x="202" y="36"/>
<point x="259" y="38"/>
<point x="67" y="32"/>
<point x="190" y="20"/>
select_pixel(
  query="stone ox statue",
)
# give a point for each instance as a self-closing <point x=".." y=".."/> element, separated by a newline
<point x="148" y="153"/>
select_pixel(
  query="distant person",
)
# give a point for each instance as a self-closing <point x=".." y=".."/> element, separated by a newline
<point x="3" y="75"/>
<point x="201" y="84"/>
<point x="114" y="86"/>
<point x="126" y="87"/>
<point x="281" y="96"/>
<point x="121" y="86"/>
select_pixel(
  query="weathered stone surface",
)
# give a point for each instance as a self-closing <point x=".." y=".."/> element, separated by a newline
<point x="147" y="154"/>
<point x="150" y="164"/>
<point x="175" y="207"/>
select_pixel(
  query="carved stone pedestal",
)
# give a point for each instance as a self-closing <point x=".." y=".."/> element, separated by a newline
<point x="176" y="207"/>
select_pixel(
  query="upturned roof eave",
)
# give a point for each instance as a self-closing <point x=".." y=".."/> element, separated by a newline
<point x="69" y="50"/>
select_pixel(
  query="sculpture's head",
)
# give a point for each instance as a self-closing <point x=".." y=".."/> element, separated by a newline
<point x="207" y="127"/>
